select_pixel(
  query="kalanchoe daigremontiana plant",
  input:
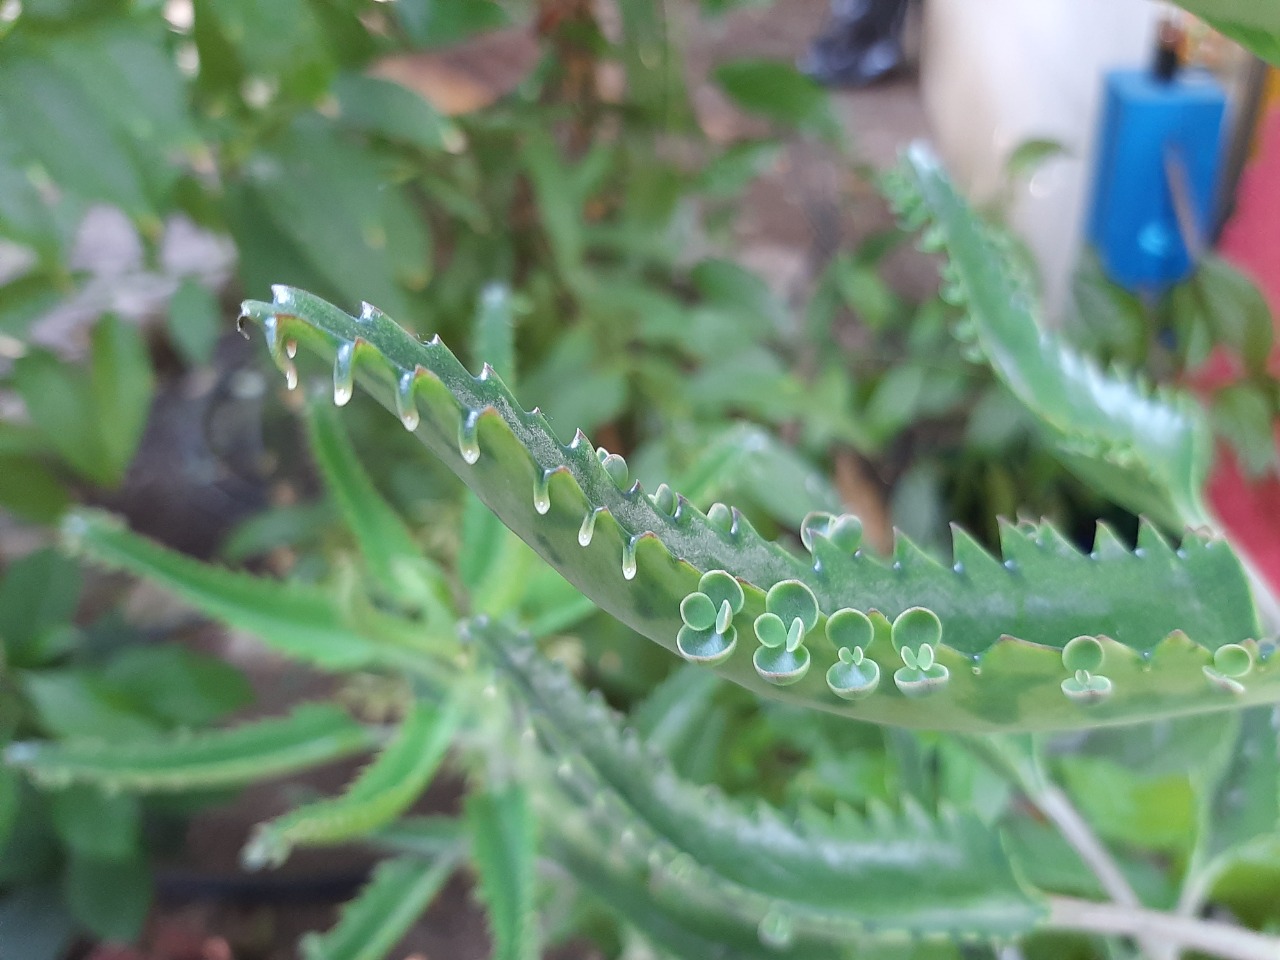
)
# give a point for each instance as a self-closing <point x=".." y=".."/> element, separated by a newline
<point x="1044" y="638"/>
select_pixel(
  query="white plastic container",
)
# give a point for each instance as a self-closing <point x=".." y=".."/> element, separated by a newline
<point x="997" y="73"/>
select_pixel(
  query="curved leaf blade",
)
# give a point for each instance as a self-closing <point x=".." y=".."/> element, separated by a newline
<point x="1151" y="452"/>
<point x="382" y="791"/>
<point x="913" y="874"/>
<point x="370" y="925"/>
<point x="309" y="736"/>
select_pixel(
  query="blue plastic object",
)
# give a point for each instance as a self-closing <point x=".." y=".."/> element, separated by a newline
<point x="1153" y="130"/>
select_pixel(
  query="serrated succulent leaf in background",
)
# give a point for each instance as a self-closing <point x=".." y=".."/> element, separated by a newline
<point x="1150" y="452"/>
<point x="503" y="852"/>
<point x="371" y="924"/>
<point x="387" y="787"/>
<point x="311" y="735"/>
<point x="910" y="873"/>
<point x="396" y="564"/>
<point x="297" y="619"/>
<point x="1160" y="613"/>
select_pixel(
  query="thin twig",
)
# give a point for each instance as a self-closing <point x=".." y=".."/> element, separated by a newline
<point x="1186" y="933"/>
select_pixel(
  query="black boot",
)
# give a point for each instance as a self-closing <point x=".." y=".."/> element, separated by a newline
<point x="861" y="43"/>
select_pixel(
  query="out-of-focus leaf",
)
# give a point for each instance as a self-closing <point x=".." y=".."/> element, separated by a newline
<point x="384" y="789"/>
<point x="733" y="287"/>
<point x="345" y="238"/>
<point x="279" y="37"/>
<point x="387" y="109"/>
<point x="38" y="593"/>
<point x="24" y="299"/>
<point x="1155" y="812"/>
<point x="301" y="620"/>
<point x="745" y="460"/>
<point x="558" y="202"/>
<point x="779" y="92"/>
<point x="76" y="703"/>
<point x="1227" y="304"/>
<point x="110" y="897"/>
<point x="94" y="824"/>
<point x="120" y="384"/>
<point x="1029" y="155"/>
<point x="60" y="404"/>
<point x="311" y="735"/>
<point x="573" y="389"/>
<point x="400" y="890"/>
<point x="867" y="294"/>
<point x="177" y="686"/>
<point x="397" y="565"/>
<point x="293" y="525"/>
<point x="729" y="173"/>
<point x="1242" y="414"/>
<point x="1253" y="23"/>
<point x="503" y="850"/>
<point x="1112" y="321"/>
<point x="63" y="128"/>
<point x="195" y="321"/>
<point x="440" y="23"/>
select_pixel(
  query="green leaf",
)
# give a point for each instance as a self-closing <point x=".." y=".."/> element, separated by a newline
<point x="778" y="92"/>
<point x="311" y="735"/>
<point x="110" y="897"/>
<point x="558" y="203"/>
<point x="387" y="109"/>
<point x="346" y="238"/>
<point x="300" y="620"/>
<point x="58" y="399"/>
<point x="1243" y="416"/>
<point x="383" y="791"/>
<point x="77" y="703"/>
<point x="729" y="173"/>
<point x="61" y="126"/>
<point x="1151" y="452"/>
<point x="745" y="461"/>
<point x="94" y="824"/>
<point x="37" y="594"/>
<point x="1155" y="812"/>
<point x="1244" y="804"/>
<point x="1253" y="23"/>
<point x="120" y="384"/>
<point x="178" y="686"/>
<point x="372" y="923"/>
<point x="1161" y="611"/>
<point x="195" y="321"/>
<point x="441" y="23"/>
<point x="394" y="560"/>
<point x="824" y="874"/>
<point x="503" y="851"/>
<point x="493" y="337"/>
<point x="29" y="490"/>
<point x="1225" y="302"/>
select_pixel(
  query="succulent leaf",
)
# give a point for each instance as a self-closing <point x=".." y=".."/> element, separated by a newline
<point x="384" y="790"/>
<point x="908" y="874"/>
<point x="1152" y="452"/>
<point x="311" y="735"/>
<point x="1159" y="612"/>
<point x="372" y="923"/>
<point x="299" y="620"/>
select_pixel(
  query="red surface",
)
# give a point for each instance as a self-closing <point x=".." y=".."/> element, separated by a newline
<point x="1250" y="510"/>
